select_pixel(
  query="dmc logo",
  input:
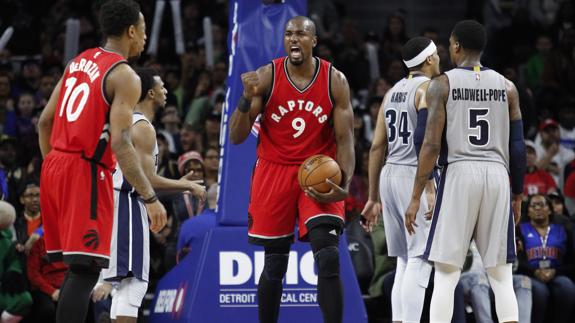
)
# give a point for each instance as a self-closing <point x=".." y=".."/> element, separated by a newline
<point x="170" y="301"/>
<point x="237" y="268"/>
<point x="353" y="246"/>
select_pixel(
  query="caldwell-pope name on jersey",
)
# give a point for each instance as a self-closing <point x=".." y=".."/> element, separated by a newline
<point x="300" y="105"/>
<point x="479" y="95"/>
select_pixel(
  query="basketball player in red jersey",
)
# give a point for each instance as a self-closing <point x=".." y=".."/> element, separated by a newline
<point x="305" y="110"/>
<point x="90" y="106"/>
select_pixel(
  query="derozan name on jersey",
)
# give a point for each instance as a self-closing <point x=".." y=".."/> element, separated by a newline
<point x="87" y="66"/>
<point x="301" y="105"/>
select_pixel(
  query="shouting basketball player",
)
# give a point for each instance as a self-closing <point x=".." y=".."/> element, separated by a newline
<point x="475" y="121"/>
<point x="403" y="107"/>
<point x="306" y="110"/>
<point x="90" y="106"/>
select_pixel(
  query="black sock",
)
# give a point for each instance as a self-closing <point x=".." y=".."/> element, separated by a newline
<point x="330" y="298"/>
<point x="75" y="294"/>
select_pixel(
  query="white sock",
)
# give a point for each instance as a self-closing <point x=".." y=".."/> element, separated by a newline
<point x="501" y="280"/>
<point x="396" y="306"/>
<point x="445" y="280"/>
<point x="10" y="318"/>
<point x="415" y="282"/>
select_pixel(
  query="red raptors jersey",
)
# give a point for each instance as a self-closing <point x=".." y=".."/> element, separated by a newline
<point x="297" y="123"/>
<point x="82" y="116"/>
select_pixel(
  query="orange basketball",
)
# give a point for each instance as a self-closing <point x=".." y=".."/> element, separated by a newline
<point x="315" y="170"/>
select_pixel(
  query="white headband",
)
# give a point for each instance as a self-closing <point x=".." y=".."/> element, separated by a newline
<point x="421" y="57"/>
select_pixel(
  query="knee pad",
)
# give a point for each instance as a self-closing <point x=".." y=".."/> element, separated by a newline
<point x="275" y="266"/>
<point x="129" y="296"/>
<point x="323" y="236"/>
<point x="327" y="260"/>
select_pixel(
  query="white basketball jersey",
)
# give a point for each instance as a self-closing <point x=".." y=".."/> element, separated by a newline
<point x="120" y="183"/>
<point x="477" y="116"/>
<point x="401" y="119"/>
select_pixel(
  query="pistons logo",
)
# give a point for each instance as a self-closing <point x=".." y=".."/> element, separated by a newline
<point x="91" y="239"/>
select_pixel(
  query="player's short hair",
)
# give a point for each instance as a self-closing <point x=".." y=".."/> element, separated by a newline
<point x="117" y="15"/>
<point x="413" y="47"/>
<point x="146" y="80"/>
<point x="470" y="34"/>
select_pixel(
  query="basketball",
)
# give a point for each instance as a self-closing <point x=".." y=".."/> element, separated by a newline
<point x="315" y="170"/>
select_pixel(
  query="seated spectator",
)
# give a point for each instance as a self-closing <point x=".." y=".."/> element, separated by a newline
<point x="545" y="254"/>
<point x="167" y="165"/>
<point x="566" y="119"/>
<point x="30" y="220"/>
<point x="211" y="165"/>
<point x="46" y="278"/>
<point x="185" y="206"/>
<point x="551" y="155"/>
<point x="537" y="181"/>
<point x="196" y="227"/>
<point x="15" y="300"/>
<point x="558" y="203"/>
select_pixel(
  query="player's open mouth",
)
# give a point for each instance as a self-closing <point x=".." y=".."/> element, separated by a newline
<point x="295" y="52"/>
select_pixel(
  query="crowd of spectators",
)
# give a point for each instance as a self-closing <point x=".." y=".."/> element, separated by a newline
<point x="531" y="42"/>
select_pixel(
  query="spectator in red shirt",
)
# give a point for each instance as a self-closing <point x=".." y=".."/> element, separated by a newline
<point x="537" y="181"/>
<point x="45" y="281"/>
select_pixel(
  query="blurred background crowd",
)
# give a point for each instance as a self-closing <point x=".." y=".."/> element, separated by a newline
<point x="531" y="42"/>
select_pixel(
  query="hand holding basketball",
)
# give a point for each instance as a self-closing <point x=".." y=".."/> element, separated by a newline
<point x="320" y="176"/>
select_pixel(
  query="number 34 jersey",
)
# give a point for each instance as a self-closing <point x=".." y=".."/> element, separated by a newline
<point x="477" y="117"/>
<point x="82" y="116"/>
<point x="401" y="119"/>
<point x="297" y="123"/>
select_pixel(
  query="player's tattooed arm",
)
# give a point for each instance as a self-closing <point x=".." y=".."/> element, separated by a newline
<point x="372" y="209"/>
<point x="256" y="85"/>
<point x="47" y="120"/>
<point x="436" y="96"/>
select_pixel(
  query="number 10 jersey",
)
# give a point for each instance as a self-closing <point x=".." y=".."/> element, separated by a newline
<point x="297" y="123"/>
<point x="82" y="116"/>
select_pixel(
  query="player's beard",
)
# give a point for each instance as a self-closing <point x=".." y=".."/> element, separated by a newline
<point x="296" y="62"/>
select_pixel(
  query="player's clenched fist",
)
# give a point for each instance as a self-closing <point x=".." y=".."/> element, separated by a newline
<point x="251" y="84"/>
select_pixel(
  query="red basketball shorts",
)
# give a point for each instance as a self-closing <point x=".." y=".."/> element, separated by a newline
<point x="74" y="228"/>
<point x="277" y="201"/>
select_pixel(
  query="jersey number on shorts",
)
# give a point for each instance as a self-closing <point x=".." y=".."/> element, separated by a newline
<point x="477" y="120"/>
<point x="404" y="133"/>
<point x="75" y="99"/>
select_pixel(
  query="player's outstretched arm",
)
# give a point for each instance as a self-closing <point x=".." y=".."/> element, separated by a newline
<point x="517" y="154"/>
<point x="47" y="120"/>
<point x="256" y="85"/>
<point x="436" y="96"/>
<point x="123" y="85"/>
<point x="144" y="138"/>
<point x="372" y="208"/>
<point x="343" y="128"/>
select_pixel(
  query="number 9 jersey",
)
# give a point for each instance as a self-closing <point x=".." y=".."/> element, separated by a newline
<point x="82" y="116"/>
<point x="296" y="123"/>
